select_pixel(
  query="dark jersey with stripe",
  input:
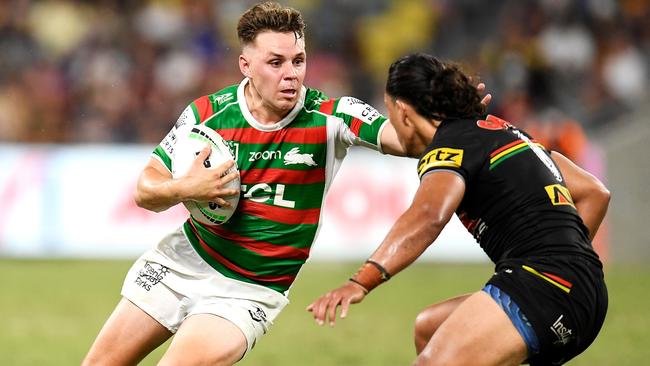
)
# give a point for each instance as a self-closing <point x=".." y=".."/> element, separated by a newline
<point x="516" y="203"/>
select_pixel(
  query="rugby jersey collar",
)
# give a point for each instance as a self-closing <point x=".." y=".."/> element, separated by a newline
<point x="241" y="99"/>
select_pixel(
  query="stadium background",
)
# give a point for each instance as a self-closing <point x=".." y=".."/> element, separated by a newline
<point x="87" y="88"/>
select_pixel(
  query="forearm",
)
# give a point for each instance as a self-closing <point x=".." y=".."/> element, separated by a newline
<point x="592" y="210"/>
<point x="389" y="142"/>
<point x="406" y="241"/>
<point x="433" y="206"/>
<point x="157" y="192"/>
<point x="590" y="196"/>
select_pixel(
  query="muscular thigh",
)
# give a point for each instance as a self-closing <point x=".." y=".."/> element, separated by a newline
<point x="206" y="339"/>
<point x="127" y="337"/>
<point x="478" y="332"/>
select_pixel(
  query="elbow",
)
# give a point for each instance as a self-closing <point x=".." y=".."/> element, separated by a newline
<point x="600" y="193"/>
<point x="597" y="197"/>
<point x="141" y="202"/>
<point x="604" y="195"/>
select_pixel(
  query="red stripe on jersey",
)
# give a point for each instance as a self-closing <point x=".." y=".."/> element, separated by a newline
<point x="279" y="214"/>
<point x="502" y="148"/>
<point x="287" y="176"/>
<point x="284" y="280"/>
<point x="559" y="279"/>
<point x="327" y="107"/>
<point x="203" y="107"/>
<point x="297" y="135"/>
<point x="260" y="247"/>
<point x="355" y="126"/>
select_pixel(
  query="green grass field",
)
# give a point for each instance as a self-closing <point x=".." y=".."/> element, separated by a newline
<point x="52" y="311"/>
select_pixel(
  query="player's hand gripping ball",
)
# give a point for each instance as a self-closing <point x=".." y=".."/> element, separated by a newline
<point x="189" y="143"/>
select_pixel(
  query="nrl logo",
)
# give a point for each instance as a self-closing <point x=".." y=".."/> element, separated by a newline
<point x="294" y="156"/>
<point x="223" y="98"/>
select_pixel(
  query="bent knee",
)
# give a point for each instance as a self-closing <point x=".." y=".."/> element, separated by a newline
<point x="422" y="321"/>
<point x="429" y="320"/>
<point x="426" y="324"/>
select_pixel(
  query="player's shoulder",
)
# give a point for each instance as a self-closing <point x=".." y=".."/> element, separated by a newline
<point x="346" y="108"/>
<point x="223" y="97"/>
<point x="207" y="105"/>
<point x="314" y="99"/>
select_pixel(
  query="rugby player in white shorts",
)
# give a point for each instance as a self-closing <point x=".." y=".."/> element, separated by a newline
<point x="218" y="288"/>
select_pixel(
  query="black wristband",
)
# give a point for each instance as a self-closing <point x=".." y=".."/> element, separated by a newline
<point x="385" y="276"/>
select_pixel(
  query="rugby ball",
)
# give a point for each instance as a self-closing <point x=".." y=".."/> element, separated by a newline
<point x="190" y="140"/>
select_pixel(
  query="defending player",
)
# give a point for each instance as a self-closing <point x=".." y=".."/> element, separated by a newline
<point x="532" y="214"/>
<point x="219" y="288"/>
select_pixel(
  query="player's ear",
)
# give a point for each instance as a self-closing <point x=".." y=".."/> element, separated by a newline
<point x="399" y="114"/>
<point x="244" y="66"/>
<point x="404" y="111"/>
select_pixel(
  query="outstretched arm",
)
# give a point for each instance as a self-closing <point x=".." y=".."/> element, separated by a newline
<point x="389" y="142"/>
<point x="157" y="191"/>
<point x="590" y="196"/>
<point x="434" y="203"/>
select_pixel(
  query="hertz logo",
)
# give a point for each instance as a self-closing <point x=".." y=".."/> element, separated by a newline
<point x="444" y="156"/>
<point x="559" y="195"/>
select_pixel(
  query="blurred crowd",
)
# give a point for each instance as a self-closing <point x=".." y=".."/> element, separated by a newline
<point x="122" y="71"/>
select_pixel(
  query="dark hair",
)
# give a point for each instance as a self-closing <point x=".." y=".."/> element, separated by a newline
<point x="435" y="89"/>
<point x="269" y="16"/>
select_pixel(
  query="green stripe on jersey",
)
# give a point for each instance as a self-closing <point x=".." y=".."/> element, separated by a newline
<point x="275" y="156"/>
<point x="225" y="270"/>
<point x="228" y="116"/>
<point x="305" y="119"/>
<point x="297" y="236"/>
<point x="508" y="156"/>
<point x="197" y="117"/>
<point x="160" y="152"/>
<point x="270" y="267"/>
<point x="370" y="133"/>
<point x="248" y="259"/>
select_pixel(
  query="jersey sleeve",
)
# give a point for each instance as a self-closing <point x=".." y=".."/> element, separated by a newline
<point x="195" y="113"/>
<point x="361" y="123"/>
<point x="453" y="149"/>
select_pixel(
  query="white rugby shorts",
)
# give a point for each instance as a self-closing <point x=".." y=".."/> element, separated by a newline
<point x="172" y="282"/>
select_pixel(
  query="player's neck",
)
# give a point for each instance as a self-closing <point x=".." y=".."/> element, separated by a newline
<point x="425" y="128"/>
<point x="262" y="112"/>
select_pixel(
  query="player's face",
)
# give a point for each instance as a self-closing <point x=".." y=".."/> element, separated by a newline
<point x="275" y="63"/>
<point x="406" y="131"/>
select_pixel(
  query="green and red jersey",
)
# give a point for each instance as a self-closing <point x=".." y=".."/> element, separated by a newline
<point x="285" y="170"/>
